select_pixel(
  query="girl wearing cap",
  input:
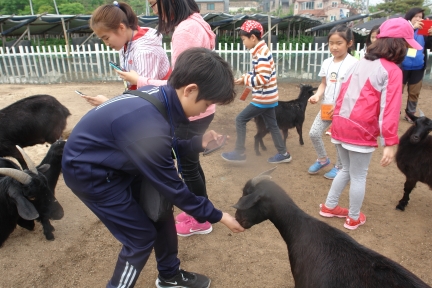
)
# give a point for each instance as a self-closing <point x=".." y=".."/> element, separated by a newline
<point x="414" y="64"/>
<point x="367" y="107"/>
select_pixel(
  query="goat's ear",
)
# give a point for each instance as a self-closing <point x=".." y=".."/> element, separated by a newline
<point x="43" y="168"/>
<point x="314" y="89"/>
<point x="248" y="201"/>
<point x="25" y="208"/>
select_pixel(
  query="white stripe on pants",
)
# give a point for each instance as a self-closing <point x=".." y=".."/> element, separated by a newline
<point x="354" y="168"/>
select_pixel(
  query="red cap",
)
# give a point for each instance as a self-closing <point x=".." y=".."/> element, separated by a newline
<point x="250" y="25"/>
<point x="399" y="28"/>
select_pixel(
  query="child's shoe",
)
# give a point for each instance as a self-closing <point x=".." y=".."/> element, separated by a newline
<point x="184" y="279"/>
<point x="332" y="173"/>
<point x="182" y="217"/>
<point x="280" y="158"/>
<point x="192" y="226"/>
<point x="353" y="224"/>
<point x="408" y="119"/>
<point x="234" y="156"/>
<point x="314" y="168"/>
<point x="335" y="212"/>
<point x="328" y="132"/>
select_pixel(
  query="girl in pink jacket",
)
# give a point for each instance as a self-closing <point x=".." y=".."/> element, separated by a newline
<point x="367" y="107"/>
<point x="182" y="18"/>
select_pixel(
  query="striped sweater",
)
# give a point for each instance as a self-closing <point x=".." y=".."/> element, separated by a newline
<point x="263" y="77"/>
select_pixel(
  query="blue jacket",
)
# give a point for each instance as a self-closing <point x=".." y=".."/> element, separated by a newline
<point x="125" y="139"/>
<point x="417" y="62"/>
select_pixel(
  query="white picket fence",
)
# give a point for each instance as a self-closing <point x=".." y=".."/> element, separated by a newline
<point x="42" y="65"/>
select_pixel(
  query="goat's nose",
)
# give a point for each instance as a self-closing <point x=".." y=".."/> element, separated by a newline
<point x="415" y="138"/>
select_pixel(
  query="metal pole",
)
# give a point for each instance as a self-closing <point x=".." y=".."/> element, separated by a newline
<point x="31" y="7"/>
<point x="64" y="29"/>
<point x="269" y="32"/>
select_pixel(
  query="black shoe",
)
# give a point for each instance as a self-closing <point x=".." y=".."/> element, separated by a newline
<point x="184" y="279"/>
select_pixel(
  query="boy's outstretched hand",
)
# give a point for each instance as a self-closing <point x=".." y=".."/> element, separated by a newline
<point x="239" y="81"/>
<point x="210" y="136"/>
<point x="231" y="223"/>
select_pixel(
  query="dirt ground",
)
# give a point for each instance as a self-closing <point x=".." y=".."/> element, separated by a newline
<point x="84" y="252"/>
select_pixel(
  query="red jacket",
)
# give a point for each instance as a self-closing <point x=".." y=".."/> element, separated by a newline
<point x="369" y="104"/>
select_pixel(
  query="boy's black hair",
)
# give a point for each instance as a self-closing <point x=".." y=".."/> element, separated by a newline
<point x="368" y="38"/>
<point x="175" y="11"/>
<point x="412" y="12"/>
<point x="206" y="69"/>
<point x="345" y="32"/>
<point x="391" y="49"/>
<point x="255" y="32"/>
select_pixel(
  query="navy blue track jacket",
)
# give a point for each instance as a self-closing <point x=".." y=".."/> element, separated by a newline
<point x="124" y="138"/>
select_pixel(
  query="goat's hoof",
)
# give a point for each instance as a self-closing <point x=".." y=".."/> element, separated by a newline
<point x="49" y="237"/>
<point x="264" y="148"/>
<point x="400" y="207"/>
<point x="301" y="143"/>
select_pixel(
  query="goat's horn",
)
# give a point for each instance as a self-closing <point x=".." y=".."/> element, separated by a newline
<point x="421" y="113"/>
<point x="18" y="175"/>
<point x="29" y="162"/>
<point x="260" y="178"/>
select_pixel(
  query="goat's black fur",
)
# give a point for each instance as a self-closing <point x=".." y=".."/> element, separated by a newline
<point x="33" y="120"/>
<point x="40" y="193"/>
<point x="414" y="156"/>
<point x="319" y="255"/>
<point x="289" y="114"/>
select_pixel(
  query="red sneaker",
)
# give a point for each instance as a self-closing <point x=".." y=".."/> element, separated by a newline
<point x="191" y="227"/>
<point x="353" y="224"/>
<point x="335" y="212"/>
<point x="182" y="217"/>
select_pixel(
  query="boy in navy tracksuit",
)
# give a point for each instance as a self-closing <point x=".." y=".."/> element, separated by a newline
<point x="125" y="140"/>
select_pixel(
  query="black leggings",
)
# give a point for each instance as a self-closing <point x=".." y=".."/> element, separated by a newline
<point x="193" y="175"/>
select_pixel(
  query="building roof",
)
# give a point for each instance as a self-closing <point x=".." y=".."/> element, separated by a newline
<point x="52" y="23"/>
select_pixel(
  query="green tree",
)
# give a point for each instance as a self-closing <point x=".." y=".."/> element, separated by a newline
<point x="71" y="8"/>
<point x="400" y="6"/>
<point x="10" y="7"/>
<point x="46" y="8"/>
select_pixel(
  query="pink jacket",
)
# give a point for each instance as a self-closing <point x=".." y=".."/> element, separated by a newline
<point x="368" y="104"/>
<point x="192" y="32"/>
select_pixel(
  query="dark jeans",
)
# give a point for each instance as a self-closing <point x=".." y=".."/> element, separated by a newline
<point x="269" y="117"/>
<point x="193" y="175"/>
<point x="128" y="223"/>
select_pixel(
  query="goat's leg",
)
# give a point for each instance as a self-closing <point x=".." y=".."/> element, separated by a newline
<point x="408" y="187"/>
<point x="285" y="135"/>
<point x="299" y="128"/>
<point x="27" y="224"/>
<point x="47" y="228"/>
<point x="256" y="144"/>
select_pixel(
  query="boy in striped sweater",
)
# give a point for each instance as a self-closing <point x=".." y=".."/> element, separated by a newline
<point x="262" y="79"/>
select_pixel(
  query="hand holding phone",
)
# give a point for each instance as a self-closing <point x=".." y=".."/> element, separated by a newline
<point x="215" y="145"/>
<point x="115" y="66"/>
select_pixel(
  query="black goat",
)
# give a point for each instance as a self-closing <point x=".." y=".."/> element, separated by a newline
<point x="414" y="156"/>
<point x="319" y="255"/>
<point x="33" y="120"/>
<point x="289" y="114"/>
<point x="24" y="196"/>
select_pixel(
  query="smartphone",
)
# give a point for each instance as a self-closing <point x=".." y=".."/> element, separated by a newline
<point x="79" y="93"/>
<point x="214" y="145"/>
<point x="115" y="66"/>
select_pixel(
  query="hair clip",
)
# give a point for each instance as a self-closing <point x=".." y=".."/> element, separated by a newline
<point x="115" y="3"/>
